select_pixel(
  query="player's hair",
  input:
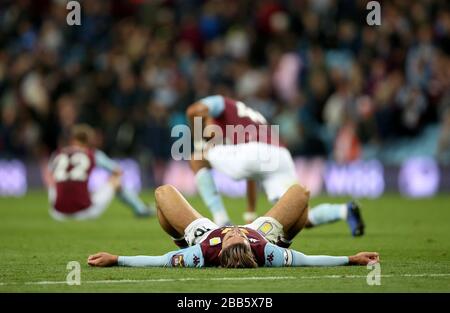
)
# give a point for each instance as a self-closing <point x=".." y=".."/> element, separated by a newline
<point x="238" y="255"/>
<point x="82" y="133"/>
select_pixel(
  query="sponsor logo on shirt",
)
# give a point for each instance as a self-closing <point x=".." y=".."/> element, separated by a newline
<point x="214" y="241"/>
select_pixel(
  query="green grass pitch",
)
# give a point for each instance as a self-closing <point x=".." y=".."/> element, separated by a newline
<point x="412" y="237"/>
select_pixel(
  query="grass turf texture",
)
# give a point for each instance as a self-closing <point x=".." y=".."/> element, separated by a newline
<point x="411" y="236"/>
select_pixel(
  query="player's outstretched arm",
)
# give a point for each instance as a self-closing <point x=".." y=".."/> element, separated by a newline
<point x="362" y="258"/>
<point x="189" y="257"/>
<point x="280" y="257"/>
<point x="104" y="259"/>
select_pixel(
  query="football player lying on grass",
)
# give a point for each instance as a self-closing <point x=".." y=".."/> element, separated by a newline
<point x="264" y="242"/>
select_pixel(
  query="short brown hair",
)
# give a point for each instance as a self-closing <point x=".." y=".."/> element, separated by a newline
<point x="239" y="255"/>
<point x="82" y="133"/>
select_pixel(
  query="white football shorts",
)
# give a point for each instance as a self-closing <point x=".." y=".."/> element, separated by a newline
<point x="271" y="165"/>
<point x="198" y="230"/>
<point x="268" y="227"/>
<point x="100" y="198"/>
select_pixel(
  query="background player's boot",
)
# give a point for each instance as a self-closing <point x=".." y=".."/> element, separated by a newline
<point x="354" y="219"/>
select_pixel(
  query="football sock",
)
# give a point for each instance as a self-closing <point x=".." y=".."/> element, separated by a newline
<point x="211" y="197"/>
<point x="327" y="213"/>
<point x="284" y="243"/>
<point x="131" y="199"/>
<point x="180" y="242"/>
<point x="249" y="217"/>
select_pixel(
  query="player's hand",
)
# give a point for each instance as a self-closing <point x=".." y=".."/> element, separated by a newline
<point x="102" y="259"/>
<point x="364" y="258"/>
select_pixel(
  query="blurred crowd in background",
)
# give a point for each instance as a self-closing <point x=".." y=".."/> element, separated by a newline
<point x="336" y="86"/>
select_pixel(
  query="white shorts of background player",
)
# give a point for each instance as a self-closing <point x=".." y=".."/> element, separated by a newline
<point x="100" y="200"/>
<point x="271" y="165"/>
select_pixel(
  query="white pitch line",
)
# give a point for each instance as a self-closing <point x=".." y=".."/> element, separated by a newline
<point x="382" y="276"/>
<point x="121" y="281"/>
<point x="193" y="279"/>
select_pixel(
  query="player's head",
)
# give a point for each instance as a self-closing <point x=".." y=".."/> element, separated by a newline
<point x="236" y="251"/>
<point x="82" y="134"/>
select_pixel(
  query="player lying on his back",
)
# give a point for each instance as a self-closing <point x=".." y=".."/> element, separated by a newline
<point x="69" y="172"/>
<point x="258" y="156"/>
<point x="264" y="242"/>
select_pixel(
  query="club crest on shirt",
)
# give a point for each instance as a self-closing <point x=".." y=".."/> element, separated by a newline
<point x="214" y="241"/>
<point x="177" y="260"/>
<point x="265" y="228"/>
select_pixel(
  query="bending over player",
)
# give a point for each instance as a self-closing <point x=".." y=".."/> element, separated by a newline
<point x="256" y="157"/>
<point x="264" y="242"/>
<point x="69" y="172"/>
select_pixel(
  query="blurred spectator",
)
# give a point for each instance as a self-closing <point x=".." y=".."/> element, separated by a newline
<point x="444" y="140"/>
<point x="332" y="83"/>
